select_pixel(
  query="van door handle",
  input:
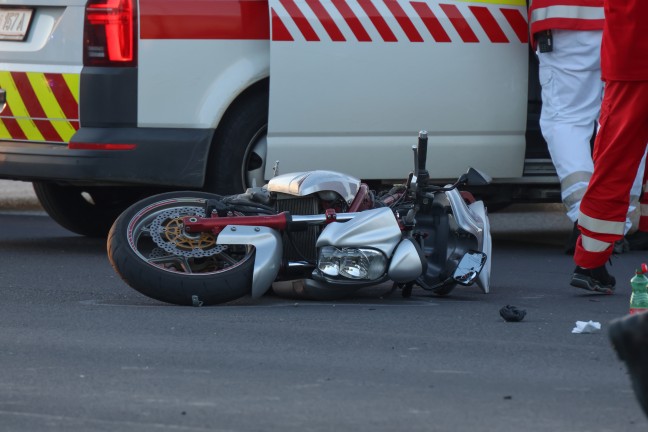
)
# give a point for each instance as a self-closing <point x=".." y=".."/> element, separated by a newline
<point x="3" y="99"/>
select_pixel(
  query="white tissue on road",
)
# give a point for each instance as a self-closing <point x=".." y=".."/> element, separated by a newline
<point x="586" y="327"/>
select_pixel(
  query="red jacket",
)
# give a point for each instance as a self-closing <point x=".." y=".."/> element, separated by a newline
<point x="565" y="15"/>
<point x="624" y="53"/>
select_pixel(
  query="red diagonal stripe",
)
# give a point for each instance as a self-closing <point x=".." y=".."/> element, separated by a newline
<point x="378" y="21"/>
<point x="47" y="130"/>
<point x="431" y="21"/>
<point x="12" y="125"/>
<point x="518" y="22"/>
<point x="459" y="23"/>
<point x="279" y="30"/>
<point x="325" y="18"/>
<point x="489" y="24"/>
<point x="34" y="107"/>
<point x="404" y="21"/>
<point x="300" y="20"/>
<point x="352" y="21"/>
<point x="63" y="95"/>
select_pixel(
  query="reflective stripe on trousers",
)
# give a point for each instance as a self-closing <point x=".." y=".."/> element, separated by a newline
<point x="620" y="146"/>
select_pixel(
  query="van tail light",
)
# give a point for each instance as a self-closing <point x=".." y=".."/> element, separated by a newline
<point x="110" y="32"/>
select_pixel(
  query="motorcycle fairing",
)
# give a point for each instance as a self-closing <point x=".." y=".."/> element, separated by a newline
<point x="486" y="246"/>
<point x="472" y="218"/>
<point x="376" y="228"/>
<point x="407" y="263"/>
<point x="318" y="181"/>
<point x="465" y="218"/>
<point x="267" y="258"/>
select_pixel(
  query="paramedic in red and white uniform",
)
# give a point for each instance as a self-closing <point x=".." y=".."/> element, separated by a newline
<point x="620" y="142"/>
<point x="566" y="35"/>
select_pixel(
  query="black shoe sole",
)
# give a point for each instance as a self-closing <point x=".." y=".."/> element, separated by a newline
<point x="589" y="284"/>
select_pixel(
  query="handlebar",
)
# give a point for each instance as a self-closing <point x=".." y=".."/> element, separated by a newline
<point x="421" y="151"/>
<point x="421" y="173"/>
<point x="418" y="183"/>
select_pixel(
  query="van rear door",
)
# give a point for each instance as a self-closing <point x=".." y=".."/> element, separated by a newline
<point x="40" y="64"/>
<point x="353" y="81"/>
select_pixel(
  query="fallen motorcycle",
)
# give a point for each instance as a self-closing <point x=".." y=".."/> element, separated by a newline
<point x="311" y="235"/>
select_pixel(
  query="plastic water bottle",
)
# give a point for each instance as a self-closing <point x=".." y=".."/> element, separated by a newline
<point x="639" y="296"/>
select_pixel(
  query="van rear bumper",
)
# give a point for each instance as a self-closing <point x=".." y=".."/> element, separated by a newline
<point x="139" y="156"/>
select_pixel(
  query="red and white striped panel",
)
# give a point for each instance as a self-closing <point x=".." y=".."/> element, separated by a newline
<point x="397" y="21"/>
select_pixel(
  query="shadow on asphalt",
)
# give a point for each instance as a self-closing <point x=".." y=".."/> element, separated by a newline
<point x="76" y="245"/>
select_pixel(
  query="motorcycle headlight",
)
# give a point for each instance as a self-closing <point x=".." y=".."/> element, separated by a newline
<point x="351" y="263"/>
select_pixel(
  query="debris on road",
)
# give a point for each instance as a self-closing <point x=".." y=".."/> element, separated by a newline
<point x="512" y="314"/>
<point x="586" y="327"/>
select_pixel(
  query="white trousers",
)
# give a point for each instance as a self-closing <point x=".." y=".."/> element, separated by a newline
<point x="572" y="91"/>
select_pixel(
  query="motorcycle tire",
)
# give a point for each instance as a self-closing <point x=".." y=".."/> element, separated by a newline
<point x="151" y="253"/>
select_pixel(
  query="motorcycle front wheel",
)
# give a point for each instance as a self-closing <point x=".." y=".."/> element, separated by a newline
<point x="150" y="251"/>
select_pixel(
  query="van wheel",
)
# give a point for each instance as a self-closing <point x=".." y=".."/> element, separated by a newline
<point x="89" y="211"/>
<point x="238" y="156"/>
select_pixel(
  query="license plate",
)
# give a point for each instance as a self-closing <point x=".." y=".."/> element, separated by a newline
<point x="14" y="23"/>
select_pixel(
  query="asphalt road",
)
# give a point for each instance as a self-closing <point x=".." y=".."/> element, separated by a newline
<point x="83" y="352"/>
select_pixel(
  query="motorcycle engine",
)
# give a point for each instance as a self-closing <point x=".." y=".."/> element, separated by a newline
<point x="307" y="193"/>
<point x="302" y="246"/>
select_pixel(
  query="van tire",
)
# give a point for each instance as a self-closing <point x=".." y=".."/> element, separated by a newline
<point x="232" y="157"/>
<point x="70" y="207"/>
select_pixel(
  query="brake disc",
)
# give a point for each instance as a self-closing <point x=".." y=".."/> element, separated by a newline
<point x="167" y="231"/>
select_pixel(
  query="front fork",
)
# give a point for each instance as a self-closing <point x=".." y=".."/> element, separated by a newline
<point x="433" y="234"/>
<point x="441" y="240"/>
<point x="267" y="255"/>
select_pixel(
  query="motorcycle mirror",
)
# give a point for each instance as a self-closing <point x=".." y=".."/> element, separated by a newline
<point x="469" y="267"/>
<point x="474" y="177"/>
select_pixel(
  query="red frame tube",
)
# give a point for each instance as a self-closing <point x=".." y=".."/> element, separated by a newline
<point x="216" y="224"/>
<point x="361" y="200"/>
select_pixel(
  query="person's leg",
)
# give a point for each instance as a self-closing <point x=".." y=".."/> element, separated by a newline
<point x="639" y="239"/>
<point x="620" y="145"/>
<point x="570" y="76"/>
<point x="632" y="223"/>
<point x="634" y="212"/>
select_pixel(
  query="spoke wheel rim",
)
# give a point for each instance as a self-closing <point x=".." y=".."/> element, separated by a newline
<point x="141" y="241"/>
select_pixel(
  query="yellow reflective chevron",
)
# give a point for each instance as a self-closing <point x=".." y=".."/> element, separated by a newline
<point x="41" y="106"/>
<point x="18" y="109"/>
<point x="73" y="81"/>
<point x="49" y="103"/>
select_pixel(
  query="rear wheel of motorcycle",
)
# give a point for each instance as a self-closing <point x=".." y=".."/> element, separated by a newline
<point x="149" y="250"/>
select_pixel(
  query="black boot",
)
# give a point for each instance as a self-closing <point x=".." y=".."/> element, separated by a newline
<point x="621" y="246"/>
<point x="570" y="246"/>
<point x="597" y="279"/>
